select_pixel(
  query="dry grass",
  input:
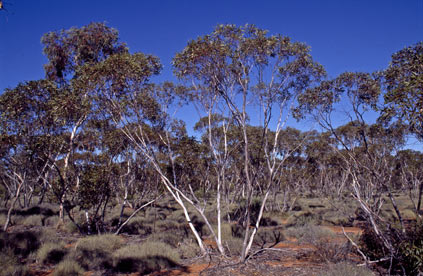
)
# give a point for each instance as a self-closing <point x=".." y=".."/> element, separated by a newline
<point x="68" y="268"/>
<point x="145" y="258"/>
<point x="10" y="265"/>
<point x="95" y="252"/>
<point x="347" y="269"/>
<point x="51" y="253"/>
<point x="328" y="248"/>
<point x="33" y="220"/>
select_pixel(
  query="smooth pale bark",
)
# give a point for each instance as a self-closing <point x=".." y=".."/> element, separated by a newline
<point x="9" y="213"/>
<point x="66" y="166"/>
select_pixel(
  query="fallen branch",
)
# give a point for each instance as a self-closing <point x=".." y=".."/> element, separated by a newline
<point x="366" y="259"/>
<point x="265" y="249"/>
<point x="133" y="214"/>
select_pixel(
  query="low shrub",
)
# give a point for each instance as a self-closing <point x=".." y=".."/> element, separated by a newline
<point x="51" y="253"/>
<point x="68" y="268"/>
<point x="145" y="258"/>
<point x="347" y="269"/>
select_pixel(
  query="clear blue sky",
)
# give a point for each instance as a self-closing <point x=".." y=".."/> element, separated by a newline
<point x="355" y="35"/>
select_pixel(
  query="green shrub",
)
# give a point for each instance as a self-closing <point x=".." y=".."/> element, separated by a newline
<point x="347" y="269"/>
<point x="51" y="253"/>
<point x="70" y="227"/>
<point x="95" y="252"/>
<point x="68" y="268"/>
<point x="145" y="258"/>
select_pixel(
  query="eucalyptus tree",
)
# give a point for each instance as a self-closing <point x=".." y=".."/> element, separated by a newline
<point x="67" y="51"/>
<point x="138" y="108"/>
<point x="237" y="70"/>
<point x="366" y="150"/>
<point x="403" y="80"/>
<point x="408" y="176"/>
<point x="30" y="139"/>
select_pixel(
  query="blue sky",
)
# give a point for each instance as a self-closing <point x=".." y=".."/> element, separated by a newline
<point x="351" y="35"/>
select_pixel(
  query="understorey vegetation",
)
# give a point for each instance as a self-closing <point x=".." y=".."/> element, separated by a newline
<point x="97" y="172"/>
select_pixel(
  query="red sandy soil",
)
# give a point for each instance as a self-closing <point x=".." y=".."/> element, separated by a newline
<point x="348" y="230"/>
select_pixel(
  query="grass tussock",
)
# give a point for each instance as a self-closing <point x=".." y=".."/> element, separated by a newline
<point x="188" y="249"/>
<point x="95" y="252"/>
<point x="33" y="220"/>
<point x="145" y="258"/>
<point x="2" y="219"/>
<point x="52" y="221"/>
<point x="51" y="253"/>
<point x="10" y="265"/>
<point x="22" y="243"/>
<point x="268" y="236"/>
<point x="166" y="237"/>
<point x="302" y="218"/>
<point x="345" y="268"/>
<point x="233" y="245"/>
<point x="138" y="226"/>
<point x="68" y="268"/>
